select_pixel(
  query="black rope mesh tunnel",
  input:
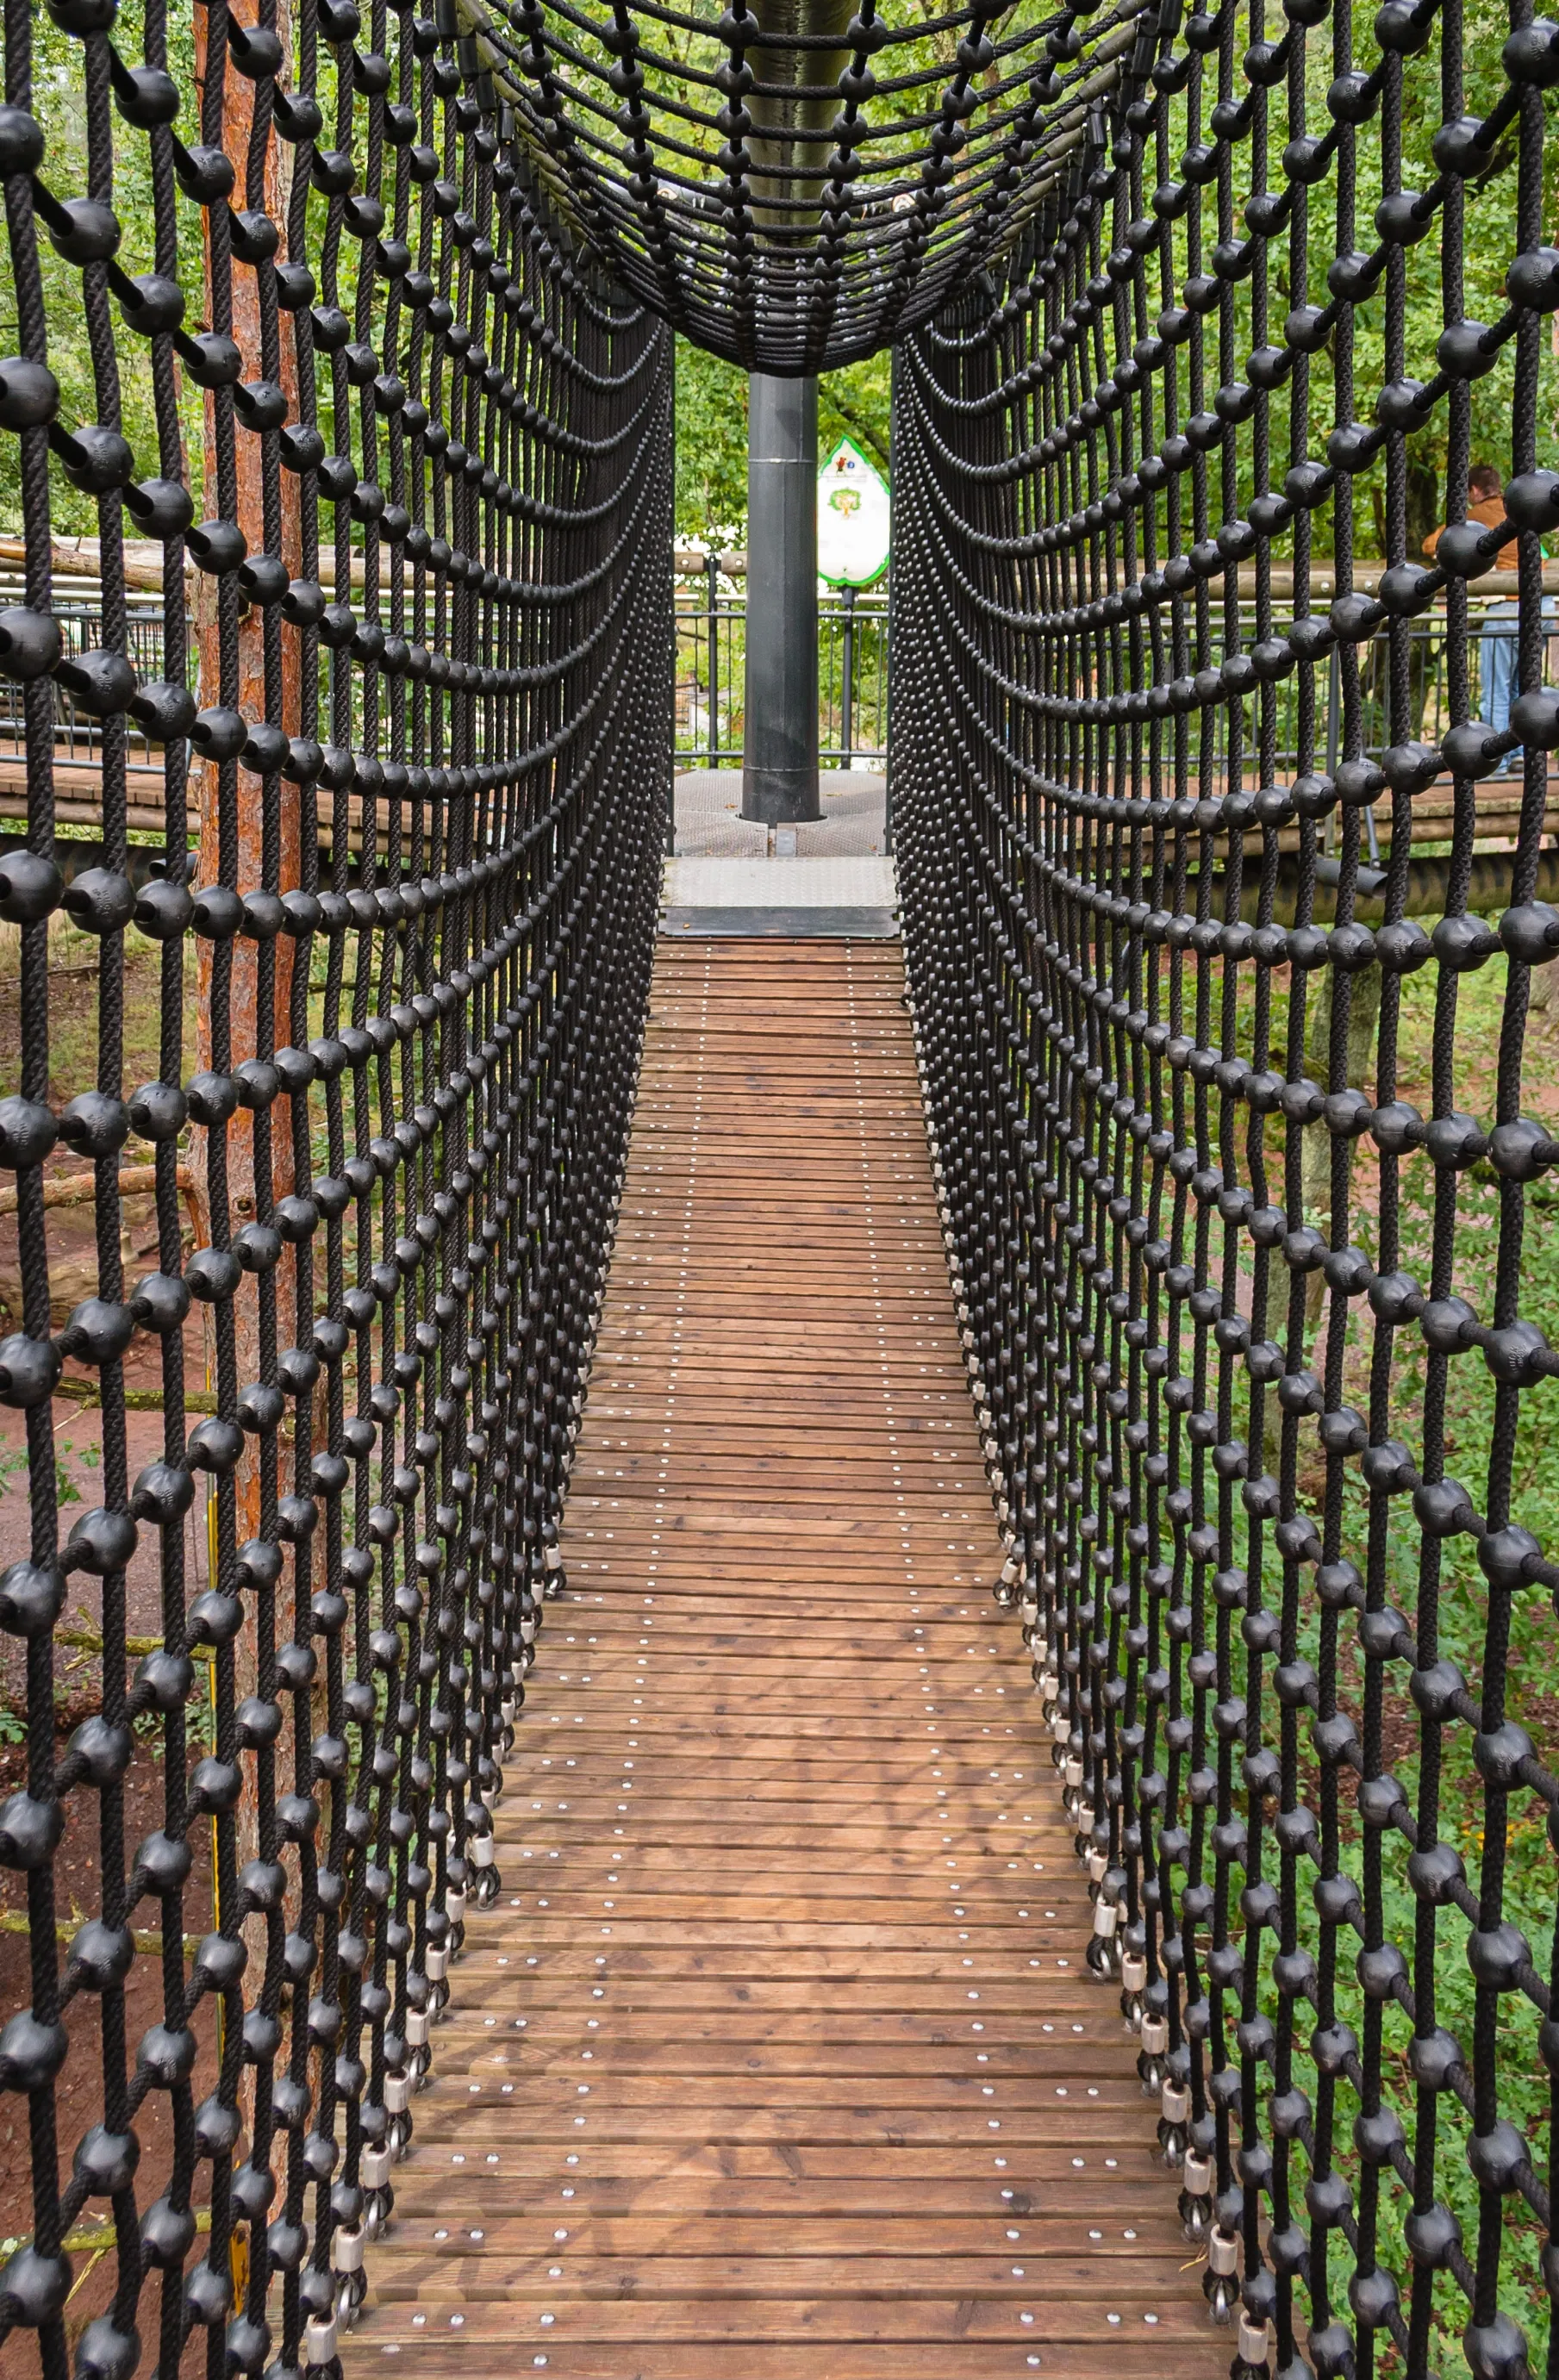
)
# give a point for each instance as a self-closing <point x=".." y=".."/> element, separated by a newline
<point x="1224" y="1287"/>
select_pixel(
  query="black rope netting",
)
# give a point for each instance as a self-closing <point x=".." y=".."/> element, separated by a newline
<point x="791" y="185"/>
<point x="430" y="737"/>
<point x="1255" y="1306"/>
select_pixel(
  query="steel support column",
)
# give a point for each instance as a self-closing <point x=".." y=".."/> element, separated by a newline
<point x="780" y="764"/>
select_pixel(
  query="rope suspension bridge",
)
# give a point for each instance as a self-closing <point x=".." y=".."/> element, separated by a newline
<point x="584" y="1875"/>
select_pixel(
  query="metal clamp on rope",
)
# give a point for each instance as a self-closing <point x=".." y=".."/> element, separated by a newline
<point x="346" y="2249"/>
<point x="1255" y="2341"/>
<point x="397" y="2089"/>
<point x="438" y="1967"/>
<point x="417" y="2028"/>
<point x="481" y="1851"/>
<point x="319" y="2341"/>
<point x="373" y="2167"/>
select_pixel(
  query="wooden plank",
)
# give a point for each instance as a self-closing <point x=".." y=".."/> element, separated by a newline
<point x="653" y="2192"/>
<point x="637" y="2033"/>
<point x="720" y="2173"/>
<point x="475" y="2276"/>
<point x="724" y="2250"/>
<point x="473" y="2353"/>
<point x="778" y="2057"/>
<point x="637" y="2319"/>
<point x="490" y="2127"/>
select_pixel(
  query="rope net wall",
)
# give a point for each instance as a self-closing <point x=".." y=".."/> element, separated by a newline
<point x="1255" y="1307"/>
<point x="794" y="186"/>
<point x="432" y="753"/>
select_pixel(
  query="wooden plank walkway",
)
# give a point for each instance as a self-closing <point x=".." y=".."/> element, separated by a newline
<point x="778" y="2059"/>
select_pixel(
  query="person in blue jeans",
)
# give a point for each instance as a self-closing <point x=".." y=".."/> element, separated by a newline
<point x="1497" y="670"/>
<point x="1498" y="648"/>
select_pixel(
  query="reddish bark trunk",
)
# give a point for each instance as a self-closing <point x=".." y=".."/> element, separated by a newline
<point x="237" y="123"/>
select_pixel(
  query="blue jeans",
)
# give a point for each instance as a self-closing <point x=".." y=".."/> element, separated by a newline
<point x="1497" y="664"/>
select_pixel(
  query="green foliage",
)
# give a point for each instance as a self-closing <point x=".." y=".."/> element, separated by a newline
<point x="59" y="105"/>
<point x="712" y="434"/>
<point x="1433" y="1586"/>
<point x="710" y="446"/>
<point x="856" y="403"/>
<point x="1445" y="279"/>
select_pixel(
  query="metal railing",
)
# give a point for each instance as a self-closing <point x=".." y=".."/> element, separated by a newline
<point x="853" y="669"/>
<point x="78" y="733"/>
<point x="710" y="644"/>
<point x="711" y="614"/>
<point x="710" y="670"/>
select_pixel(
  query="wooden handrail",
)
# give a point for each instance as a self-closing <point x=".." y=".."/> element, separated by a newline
<point x="75" y="1189"/>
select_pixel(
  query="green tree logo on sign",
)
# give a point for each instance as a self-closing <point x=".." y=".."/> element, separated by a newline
<point x="853" y="518"/>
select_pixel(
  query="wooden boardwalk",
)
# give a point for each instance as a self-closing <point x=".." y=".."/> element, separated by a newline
<point x="778" y="2059"/>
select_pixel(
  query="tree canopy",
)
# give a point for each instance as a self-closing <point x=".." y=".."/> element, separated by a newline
<point x="712" y="434"/>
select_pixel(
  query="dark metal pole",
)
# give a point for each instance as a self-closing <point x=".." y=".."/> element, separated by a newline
<point x="780" y="745"/>
<point x="790" y="144"/>
<point x="847" y="681"/>
<point x="792" y="119"/>
<point x="713" y="560"/>
<point x="886" y="714"/>
<point x="675" y="664"/>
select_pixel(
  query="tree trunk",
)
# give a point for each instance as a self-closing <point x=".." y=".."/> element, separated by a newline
<point x="1364" y="1008"/>
<point x="243" y="986"/>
